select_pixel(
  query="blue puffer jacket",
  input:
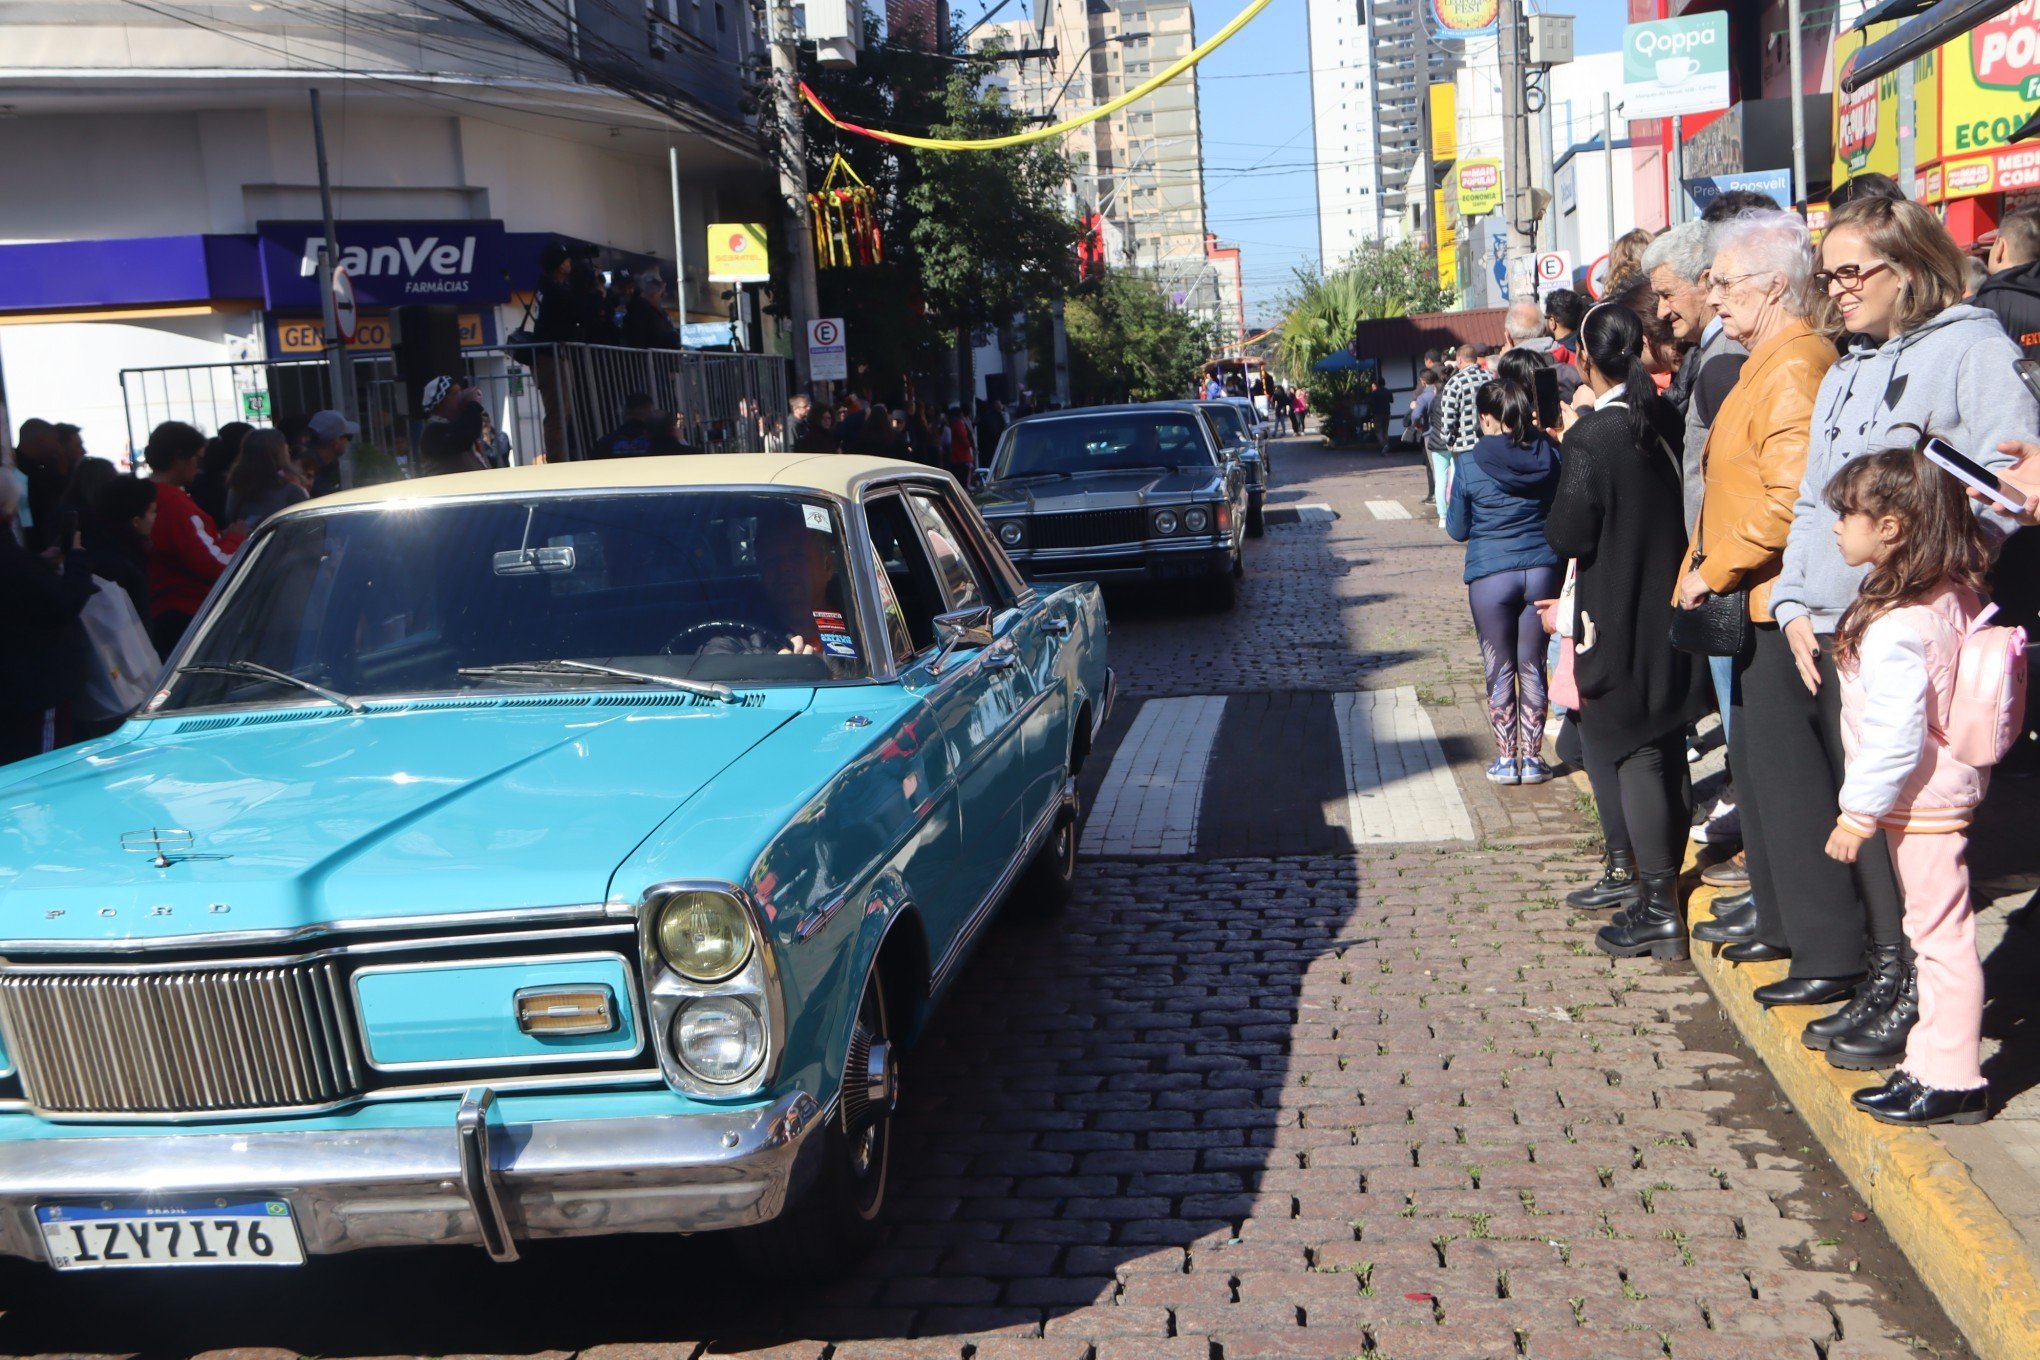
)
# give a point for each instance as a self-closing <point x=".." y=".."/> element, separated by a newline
<point x="1501" y="493"/>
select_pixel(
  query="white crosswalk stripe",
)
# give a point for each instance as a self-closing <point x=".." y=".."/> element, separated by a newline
<point x="1388" y="510"/>
<point x="1398" y="785"/>
<point x="1151" y="796"/>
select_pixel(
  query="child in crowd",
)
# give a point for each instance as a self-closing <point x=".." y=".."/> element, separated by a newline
<point x="1896" y="649"/>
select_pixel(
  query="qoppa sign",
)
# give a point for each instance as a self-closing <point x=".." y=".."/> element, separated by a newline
<point x="390" y="263"/>
<point x="1675" y="66"/>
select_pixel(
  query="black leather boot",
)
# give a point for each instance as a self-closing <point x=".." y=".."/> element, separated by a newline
<point x="1733" y="926"/>
<point x="1617" y="887"/>
<point x="1902" y="1100"/>
<point x="1650" y="927"/>
<point x="1806" y="991"/>
<point x="1728" y="903"/>
<point x="1878" y="1040"/>
<point x="1873" y="998"/>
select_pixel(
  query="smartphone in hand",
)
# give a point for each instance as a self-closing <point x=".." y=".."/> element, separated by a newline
<point x="1545" y="381"/>
<point x="1971" y="473"/>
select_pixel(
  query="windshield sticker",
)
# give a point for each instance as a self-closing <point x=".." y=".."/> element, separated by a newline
<point x="817" y="518"/>
<point x="835" y="634"/>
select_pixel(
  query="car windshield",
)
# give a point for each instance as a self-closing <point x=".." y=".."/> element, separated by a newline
<point x="1103" y="443"/>
<point x="696" y="589"/>
<point x="1230" y="424"/>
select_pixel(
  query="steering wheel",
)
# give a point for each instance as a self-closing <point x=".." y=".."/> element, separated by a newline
<point x="691" y="639"/>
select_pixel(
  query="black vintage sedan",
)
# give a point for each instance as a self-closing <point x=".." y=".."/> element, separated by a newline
<point x="1120" y="493"/>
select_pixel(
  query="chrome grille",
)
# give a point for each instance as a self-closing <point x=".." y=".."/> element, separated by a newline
<point x="181" y="1041"/>
<point x="1089" y="528"/>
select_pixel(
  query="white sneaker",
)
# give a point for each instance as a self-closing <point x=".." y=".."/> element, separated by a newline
<point x="1722" y="827"/>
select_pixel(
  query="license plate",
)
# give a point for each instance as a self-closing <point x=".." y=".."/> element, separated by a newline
<point x="177" y="1233"/>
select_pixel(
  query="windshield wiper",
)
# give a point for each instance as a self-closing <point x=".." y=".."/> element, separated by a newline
<point x="516" y="670"/>
<point x="261" y="672"/>
<point x="1030" y="476"/>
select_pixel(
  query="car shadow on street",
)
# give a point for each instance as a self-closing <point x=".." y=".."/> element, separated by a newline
<point x="1101" y="1089"/>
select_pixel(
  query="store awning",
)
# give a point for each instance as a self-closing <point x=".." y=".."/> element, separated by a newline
<point x="1944" y="23"/>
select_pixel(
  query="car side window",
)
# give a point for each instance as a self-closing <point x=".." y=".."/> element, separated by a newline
<point x="960" y="580"/>
<point x="904" y="571"/>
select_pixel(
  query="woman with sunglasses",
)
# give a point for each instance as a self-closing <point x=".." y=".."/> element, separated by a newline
<point x="1918" y="360"/>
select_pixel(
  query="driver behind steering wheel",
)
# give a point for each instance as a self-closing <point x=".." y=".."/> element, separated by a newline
<point x="796" y="573"/>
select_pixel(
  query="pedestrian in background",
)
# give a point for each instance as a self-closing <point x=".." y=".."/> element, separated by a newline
<point x="209" y="488"/>
<point x="187" y="551"/>
<point x="42" y="666"/>
<point x="1617" y="513"/>
<point x="1920" y="360"/>
<point x="262" y="481"/>
<point x="1455" y="424"/>
<point x="1501" y="493"/>
<point x="116" y="535"/>
<point x="329" y="436"/>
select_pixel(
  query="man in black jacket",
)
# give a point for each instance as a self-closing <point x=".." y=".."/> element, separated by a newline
<point x="42" y="661"/>
<point x="2012" y="292"/>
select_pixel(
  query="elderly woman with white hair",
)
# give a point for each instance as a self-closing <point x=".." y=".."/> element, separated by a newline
<point x="42" y="654"/>
<point x="1755" y="459"/>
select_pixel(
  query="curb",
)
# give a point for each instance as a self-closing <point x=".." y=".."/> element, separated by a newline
<point x="1965" y="1250"/>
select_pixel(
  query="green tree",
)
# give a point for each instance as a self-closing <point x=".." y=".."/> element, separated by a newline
<point x="969" y="237"/>
<point x="1321" y="310"/>
<point x="1126" y="343"/>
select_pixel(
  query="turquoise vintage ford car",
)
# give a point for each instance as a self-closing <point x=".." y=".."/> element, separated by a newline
<point x="533" y="854"/>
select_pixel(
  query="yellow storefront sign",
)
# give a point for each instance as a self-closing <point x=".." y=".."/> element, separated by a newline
<point x="1480" y="186"/>
<point x="1444" y="122"/>
<point x="1989" y="80"/>
<point x="306" y="335"/>
<point x="1447" y="241"/>
<point x="1866" y="122"/>
<point x="736" y="253"/>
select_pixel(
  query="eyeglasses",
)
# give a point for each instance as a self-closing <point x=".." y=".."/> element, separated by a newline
<point x="1721" y="283"/>
<point x="1851" y="277"/>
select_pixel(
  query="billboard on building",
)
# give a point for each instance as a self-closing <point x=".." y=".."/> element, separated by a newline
<point x="1988" y="82"/>
<point x="1673" y="67"/>
<point x="736" y="253"/>
<point x="1866" y="122"/>
<point x="1458" y="20"/>
<point x="1480" y="186"/>
<point x="1444" y="121"/>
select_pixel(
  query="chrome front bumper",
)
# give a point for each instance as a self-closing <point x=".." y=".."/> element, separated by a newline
<point x="477" y="1181"/>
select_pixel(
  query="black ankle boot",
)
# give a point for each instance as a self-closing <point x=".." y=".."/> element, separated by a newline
<point x="1652" y="926"/>
<point x="1617" y="887"/>
<point x="1873" y="998"/>
<point x="1878" y="1040"/>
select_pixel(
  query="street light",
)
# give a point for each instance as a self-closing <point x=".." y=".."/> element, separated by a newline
<point x="1081" y="62"/>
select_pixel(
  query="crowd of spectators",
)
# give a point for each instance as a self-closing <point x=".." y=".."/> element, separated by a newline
<point x="1733" y="512"/>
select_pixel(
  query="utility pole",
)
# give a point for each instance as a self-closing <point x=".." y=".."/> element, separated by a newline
<point x="1675" y="191"/>
<point x="679" y="239"/>
<point x="1516" y="149"/>
<point x="1794" y="36"/>
<point x="800" y="269"/>
<point x="1608" y="144"/>
<point x="336" y="351"/>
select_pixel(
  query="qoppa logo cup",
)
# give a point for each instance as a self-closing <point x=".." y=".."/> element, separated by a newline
<point x="1672" y="70"/>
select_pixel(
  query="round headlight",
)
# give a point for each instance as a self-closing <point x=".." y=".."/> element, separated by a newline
<point x="1196" y="521"/>
<point x="1165" y="521"/>
<point x="720" y="1039"/>
<point x="705" y="936"/>
<point x="1010" y="533"/>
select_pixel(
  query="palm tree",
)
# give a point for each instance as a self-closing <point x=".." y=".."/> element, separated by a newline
<point x="1375" y="281"/>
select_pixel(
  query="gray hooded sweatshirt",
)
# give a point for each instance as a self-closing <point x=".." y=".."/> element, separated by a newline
<point x="1951" y="376"/>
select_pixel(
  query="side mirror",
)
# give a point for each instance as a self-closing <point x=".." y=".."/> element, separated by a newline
<point x="980" y="478"/>
<point x="970" y="627"/>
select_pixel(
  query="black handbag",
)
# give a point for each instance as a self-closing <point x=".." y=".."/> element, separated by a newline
<point x="1720" y="626"/>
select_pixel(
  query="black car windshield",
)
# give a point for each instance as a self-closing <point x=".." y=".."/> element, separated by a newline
<point x="1102" y="443"/>
<point x="1230" y="424"/>
<point x="695" y="589"/>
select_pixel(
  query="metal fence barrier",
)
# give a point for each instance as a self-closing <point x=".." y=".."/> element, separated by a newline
<point x="559" y="400"/>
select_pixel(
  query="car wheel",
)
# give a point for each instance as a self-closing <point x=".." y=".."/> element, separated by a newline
<point x="1256" y="525"/>
<point x="1050" y="877"/>
<point x="837" y="1218"/>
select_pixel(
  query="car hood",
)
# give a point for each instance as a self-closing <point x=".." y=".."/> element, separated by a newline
<point x="302" y="818"/>
<point x="1095" y="490"/>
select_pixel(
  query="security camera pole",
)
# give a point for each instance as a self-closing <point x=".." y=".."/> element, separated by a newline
<point x="793" y="191"/>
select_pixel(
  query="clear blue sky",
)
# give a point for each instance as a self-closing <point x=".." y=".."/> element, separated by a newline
<point x="1254" y="98"/>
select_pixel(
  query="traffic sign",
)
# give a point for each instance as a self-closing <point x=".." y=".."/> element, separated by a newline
<point x="828" y="360"/>
<point x="1597" y="278"/>
<point x="1554" y="270"/>
<point x="346" y="315"/>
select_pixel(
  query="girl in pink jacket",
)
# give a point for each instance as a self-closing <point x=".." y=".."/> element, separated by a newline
<point x="1896" y="649"/>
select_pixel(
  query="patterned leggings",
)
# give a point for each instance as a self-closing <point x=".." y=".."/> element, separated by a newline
<point x="1512" y="650"/>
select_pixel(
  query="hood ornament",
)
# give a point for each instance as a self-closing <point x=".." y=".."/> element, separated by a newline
<point x="169" y="845"/>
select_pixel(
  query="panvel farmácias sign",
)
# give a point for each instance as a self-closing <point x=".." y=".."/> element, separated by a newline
<point x="390" y="263"/>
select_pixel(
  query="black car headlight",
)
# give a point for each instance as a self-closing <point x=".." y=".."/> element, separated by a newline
<point x="1166" y="522"/>
<point x="1196" y="520"/>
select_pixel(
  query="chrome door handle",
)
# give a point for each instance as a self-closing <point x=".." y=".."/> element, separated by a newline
<point x="1056" y="627"/>
<point x="1001" y="661"/>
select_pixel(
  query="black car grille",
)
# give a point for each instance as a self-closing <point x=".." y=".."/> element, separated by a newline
<point x="1090" y="528"/>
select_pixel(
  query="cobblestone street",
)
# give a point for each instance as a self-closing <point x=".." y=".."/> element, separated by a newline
<point x="1316" y="1065"/>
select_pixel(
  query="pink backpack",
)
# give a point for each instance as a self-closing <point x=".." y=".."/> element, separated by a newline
<point x="1987" y="712"/>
